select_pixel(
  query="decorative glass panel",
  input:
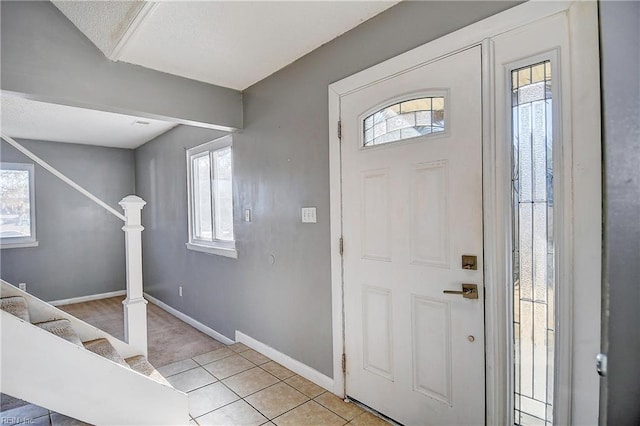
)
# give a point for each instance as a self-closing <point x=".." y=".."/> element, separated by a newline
<point x="533" y="250"/>
<point x="15" y="204"/>
<point x="404" y="120"/>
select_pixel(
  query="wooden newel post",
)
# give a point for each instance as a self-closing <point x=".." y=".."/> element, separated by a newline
<point x="135" y="306"/>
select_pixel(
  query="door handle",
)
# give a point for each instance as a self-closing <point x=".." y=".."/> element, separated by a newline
<point x="469" y="291"/>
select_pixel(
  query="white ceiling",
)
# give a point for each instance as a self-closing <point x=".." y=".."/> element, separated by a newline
<point x="228" y="43"/>
<point x="28" y="119"/>
<point x="103" y="22"/>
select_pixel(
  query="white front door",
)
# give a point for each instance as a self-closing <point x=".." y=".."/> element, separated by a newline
<point x="412" y="207"/>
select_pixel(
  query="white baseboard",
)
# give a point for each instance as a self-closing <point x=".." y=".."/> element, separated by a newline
<point x="88" y="298"/>
<point x="192" y="322"/>
<point x="292" y="364"/>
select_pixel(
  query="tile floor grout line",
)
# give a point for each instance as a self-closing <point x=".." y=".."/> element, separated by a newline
<point x="231" y="390"/>
<point x="277" y="378"/>
<point x="260" y="412"/>
<point x="226" y="405"/>
<point x="288" y="377"/>
<point x="322" y="405"/>
<point x="269" y="418"/>
<point x="260" y="390"/>
<point x="215" y="360"/>
<point x="166" y="377"/>
<point x="294" y="408"/>
<point x="191" y="369"/>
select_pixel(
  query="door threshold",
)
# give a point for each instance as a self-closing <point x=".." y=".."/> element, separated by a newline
<point x="372" y="411"/>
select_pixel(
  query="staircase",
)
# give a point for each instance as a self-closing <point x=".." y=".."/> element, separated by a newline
<point x="57" y="361"/>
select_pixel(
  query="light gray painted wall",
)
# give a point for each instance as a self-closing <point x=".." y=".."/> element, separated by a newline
<point x="81" y="249"/>
<point x="620" y="66"/>
<point x="45" y="57"/>
<point x="281" y="161"/>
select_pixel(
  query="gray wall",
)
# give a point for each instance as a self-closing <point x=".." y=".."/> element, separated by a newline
<point x="620" y="56"/>
<point x="44" y="56"/>
<point x="281" y="161"/>
<point x="81" y="249"/>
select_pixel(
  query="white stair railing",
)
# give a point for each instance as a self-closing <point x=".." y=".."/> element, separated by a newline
<point x="135" y="306"/>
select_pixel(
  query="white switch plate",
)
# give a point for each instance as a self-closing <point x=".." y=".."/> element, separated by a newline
<point x="308" y="215"/>
<point x="247" y="215"/>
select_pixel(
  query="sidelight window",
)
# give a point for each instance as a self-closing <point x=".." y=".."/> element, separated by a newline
<point x="534" y="274"/>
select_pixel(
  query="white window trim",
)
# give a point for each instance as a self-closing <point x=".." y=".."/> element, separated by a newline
<point x="216" y="247"/>
<point x="23" y="242"/>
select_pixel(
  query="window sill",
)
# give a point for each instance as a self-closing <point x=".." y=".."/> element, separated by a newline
<point x="227" y="252"/>
<point x="19" y="245"/>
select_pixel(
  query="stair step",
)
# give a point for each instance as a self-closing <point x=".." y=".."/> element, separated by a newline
<point x="140" y="364"/>
<point x="61" y="328"/>
<point x="103" y="348"/>
<point x="16" y="305"/>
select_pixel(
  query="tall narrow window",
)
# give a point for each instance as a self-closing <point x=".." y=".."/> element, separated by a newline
<point x="533" y="244"/>
<point x="210" y="172"/>
<point x="17" y="206"/>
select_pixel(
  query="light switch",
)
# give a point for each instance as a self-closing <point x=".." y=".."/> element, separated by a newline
<point x="247" y="215"/>
<point x="308" y="215"/>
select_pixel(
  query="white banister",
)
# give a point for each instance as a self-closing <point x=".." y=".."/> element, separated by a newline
<point x="62" y="177"/>
<point x="135" y="306"/>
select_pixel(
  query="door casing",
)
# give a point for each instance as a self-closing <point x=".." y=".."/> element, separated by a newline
<point x="583" y="212"/>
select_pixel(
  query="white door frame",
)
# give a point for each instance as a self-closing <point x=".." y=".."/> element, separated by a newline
<point x="574" y="364"/>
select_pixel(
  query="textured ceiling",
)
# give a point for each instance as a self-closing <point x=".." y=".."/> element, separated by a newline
<point x="228" y="43"/>
<point x="103" y="22"/>
<point x="24" y="118"/>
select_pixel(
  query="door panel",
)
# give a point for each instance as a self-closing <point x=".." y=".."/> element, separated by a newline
<point x="411" y="209"/>
<point x="431" y="324"/>
<point x="429" y="239"/>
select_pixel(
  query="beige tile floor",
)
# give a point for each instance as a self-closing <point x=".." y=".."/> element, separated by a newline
<point x="233" y="385"/>
<point x="236" y="385"/>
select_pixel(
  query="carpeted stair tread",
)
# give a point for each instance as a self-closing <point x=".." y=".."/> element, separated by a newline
<point x="103" y="348"/>
<point x="61" y="328"/>
<point x="140" y="364"/>
<point x="17" y="306"/>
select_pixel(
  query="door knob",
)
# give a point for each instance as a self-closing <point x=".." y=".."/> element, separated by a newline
<point x="469" y="291"/>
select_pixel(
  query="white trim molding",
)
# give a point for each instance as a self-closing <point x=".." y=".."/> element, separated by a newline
<point x="19" y="245"/>
<point x="62" y="177"/>
<point x="89" y="298"/>
<point x="582" y="226"/>
<point x="226" y="252"/>
<point x="292" y="364"/>
<point x="192" y="322"/>
<point x="134" y="27"/>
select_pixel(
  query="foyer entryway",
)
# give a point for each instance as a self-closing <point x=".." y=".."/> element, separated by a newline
<point x="226" y="384"/>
